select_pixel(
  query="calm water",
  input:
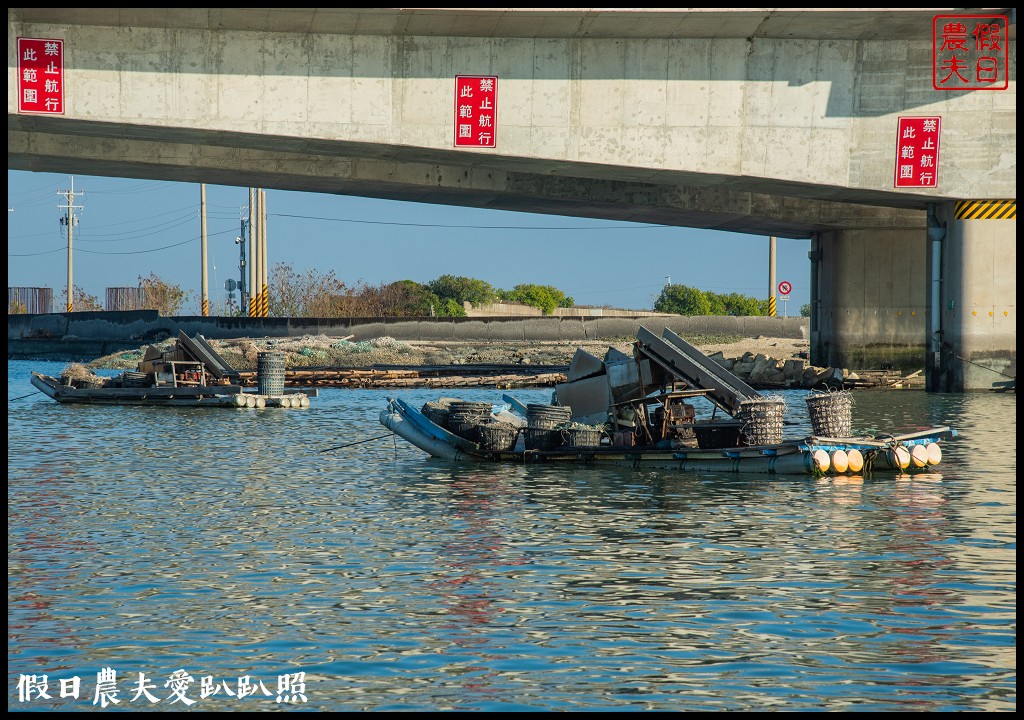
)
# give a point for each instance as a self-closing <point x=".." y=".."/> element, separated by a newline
<point x="225" y="543"/>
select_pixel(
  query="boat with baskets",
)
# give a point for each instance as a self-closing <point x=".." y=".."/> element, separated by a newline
<point x="812" y="455"/>
<point x="637" y="412"/>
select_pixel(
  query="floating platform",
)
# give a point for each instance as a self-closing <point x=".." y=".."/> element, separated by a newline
<point x="185" y="396"/>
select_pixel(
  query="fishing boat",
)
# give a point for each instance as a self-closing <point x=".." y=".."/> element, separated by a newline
<point x="637" y="411"/>
<point x="190" y="374"/>
<point x="917" y="451"/>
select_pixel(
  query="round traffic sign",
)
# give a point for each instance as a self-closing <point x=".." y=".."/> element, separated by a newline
<point x="785" y="288"/>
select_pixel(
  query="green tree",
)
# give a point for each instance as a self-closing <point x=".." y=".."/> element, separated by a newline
<point x="737" y="304"/>
<point x="451" y="308"/>
<point x="805" y="310"/>
<point x="407" y="298"/>
<point x="545" y="297"/>
<point x="463" y="289"/>
<point x="682" y="300"/>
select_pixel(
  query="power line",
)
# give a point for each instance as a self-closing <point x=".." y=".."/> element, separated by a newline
<point x="128" y="252"/>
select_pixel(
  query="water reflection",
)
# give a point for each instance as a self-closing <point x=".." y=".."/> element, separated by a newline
<point x="230" y="544"/>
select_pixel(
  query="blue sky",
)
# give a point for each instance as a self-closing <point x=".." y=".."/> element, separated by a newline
<point x="130" y="228"/>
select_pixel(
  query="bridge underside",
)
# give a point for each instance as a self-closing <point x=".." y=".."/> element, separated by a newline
<point x="736" y="204"/>
<point x="872" y="291"/>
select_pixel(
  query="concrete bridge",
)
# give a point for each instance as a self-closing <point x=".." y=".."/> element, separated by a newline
<point x="775" y="122"/>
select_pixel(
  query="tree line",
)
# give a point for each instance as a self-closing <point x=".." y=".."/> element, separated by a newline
<point x="322" y="294"/>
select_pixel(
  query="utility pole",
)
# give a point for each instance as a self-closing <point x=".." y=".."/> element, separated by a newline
<point x="205" y="279"/>
<point x="771" y="276"/>
<point x="264" y="269"/>
<point x="251" y="284"/>
<point x="243" y="270"/>
<point x="69" y="220"/>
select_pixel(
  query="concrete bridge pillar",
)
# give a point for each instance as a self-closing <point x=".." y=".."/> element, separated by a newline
<point x="972" y="261"/>
<point x="869" y="299"/>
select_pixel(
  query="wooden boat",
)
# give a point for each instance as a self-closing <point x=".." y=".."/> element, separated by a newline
<point x="809" y="456"/>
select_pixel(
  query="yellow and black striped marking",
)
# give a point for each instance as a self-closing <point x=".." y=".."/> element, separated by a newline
<point x="986" y="210"/>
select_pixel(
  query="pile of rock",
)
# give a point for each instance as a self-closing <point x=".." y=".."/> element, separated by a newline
<point x="762" y="371"/>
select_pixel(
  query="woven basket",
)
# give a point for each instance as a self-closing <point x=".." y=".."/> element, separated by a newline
<point x="831" y="414"/>
<point x="583" y="437"/>
<point x="465" y="426"/>
<point x="498" y="436"/>
<point x="543" y="439"/>
<point x="762" y="420"/>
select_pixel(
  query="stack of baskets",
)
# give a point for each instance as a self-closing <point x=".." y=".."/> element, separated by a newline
<point x="831" y="414"/>
<point x="542" y="425"/>
<point x="465" y="418"/>
<point x="762" y="420"/>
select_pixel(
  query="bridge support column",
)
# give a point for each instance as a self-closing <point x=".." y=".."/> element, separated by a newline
<point x="974" y="346"/>
<point x="869" y="299"/>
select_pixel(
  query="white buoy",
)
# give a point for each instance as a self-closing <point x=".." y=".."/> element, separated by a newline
<point x="821" y="460"/>
<point x="840" y="461"/>
<point x="919" y="456"/>
<point x="854" y="460"/>
<point x="898" y="458"/>
<point x="261" y="402"/>
<point x="250" y="401"/>
<point x="238" y="400"/>
<point x="304" y="401"/>
<point x="934" y="454"/>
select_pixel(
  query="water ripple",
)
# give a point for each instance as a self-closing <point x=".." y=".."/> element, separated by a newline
<point x="229" y="544"/>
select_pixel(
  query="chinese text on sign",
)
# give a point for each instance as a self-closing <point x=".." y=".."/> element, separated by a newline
<point x="917" y="152"/>
<point x="476" y="111"/>
<point x="40" y="75"/>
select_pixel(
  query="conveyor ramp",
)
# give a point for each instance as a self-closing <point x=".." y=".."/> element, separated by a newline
<point x="685" y="362"/>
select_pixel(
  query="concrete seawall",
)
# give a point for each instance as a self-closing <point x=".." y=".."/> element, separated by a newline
<point x="88" y="335"/>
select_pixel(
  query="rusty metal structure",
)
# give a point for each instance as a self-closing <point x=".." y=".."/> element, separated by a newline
<point x="29" y="300"/>
<point x="125" y="298"/>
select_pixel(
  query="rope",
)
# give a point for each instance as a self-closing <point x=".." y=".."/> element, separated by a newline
<point x="22" y="397"/>
<point x="358" y="442"/>
<point x="949" y="349"/>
